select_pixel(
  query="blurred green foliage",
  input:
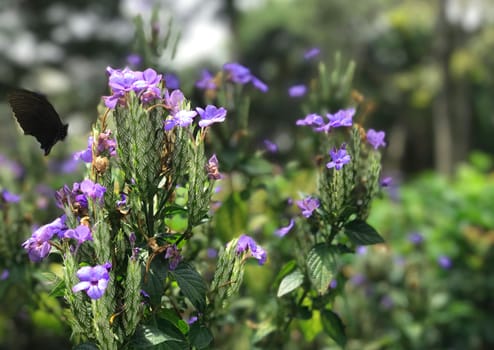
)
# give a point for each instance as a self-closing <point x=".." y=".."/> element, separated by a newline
<point x="405" y="294"/>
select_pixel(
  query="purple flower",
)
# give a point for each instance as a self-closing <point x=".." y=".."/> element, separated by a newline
<point x="241" y="75"/>
<point x="4" y="275"/>
<point x="206" y="82"/>
<point x="376" y="138"/>
<point x="192" y="320"/>
<point x="358" y="279"/>
<point x="416" y="238"/>
<point x="282" y="231"/>
<point x="81" y="234"/>
<point x="338" y="158"/>
<point x="361" y="250"/>
<point x="134" y="60"/>
<point x="386" y="181"/>
<point x="171" y="81"/>
<point x="173" y="255"/>
<point x="246" y="243"/>
<point x="182" y="118"/>
<point x="87" y="154"/>
<point x="212" y="253"/>
<point x="145" y="84"/>
<point x="93" y="280"/>
<point x="270" y="146"/>
<point x="120" y="82"/>
<point x="311" y="53"/>
<point x="123" y="200"/>
<point x="297" y="90"/>
<point x="312" y="119"/>
<point x="237" y="73"/>
<point x="93" y="190"/>
<point x="308" y="205"/>
<point x="212" y="168"/>
<point x="210" y="115"/>
<point x="38" y="245"/>
<point x="15" y="168"/>
<point x="259" y="84"/>
<point x="9" y="197"/>
<point x="174" y="101"/>
<point x="341" y="118"/>
<point x="333" y="284"/>
<point x="445" y="262"/>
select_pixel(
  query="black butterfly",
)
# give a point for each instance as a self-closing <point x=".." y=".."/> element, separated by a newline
<point x="37" y="117"/>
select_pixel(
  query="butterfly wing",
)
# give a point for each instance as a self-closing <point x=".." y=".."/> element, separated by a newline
<point x="37" y="117"/>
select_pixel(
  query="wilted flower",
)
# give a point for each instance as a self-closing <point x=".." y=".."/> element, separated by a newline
<point x="212" y="168"/>
<point x="210" y="115"/>
<point x="308" y="205"/>
<point x="246" y="243"/>
<point x="93" y="279"/>
<point x="376" y="138"/>
<point x="338" y="158"/>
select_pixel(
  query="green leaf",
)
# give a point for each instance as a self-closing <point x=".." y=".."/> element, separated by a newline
<point x="290" y="282"/>
<point x="285" y="270"/>
<point x="361" y="233"/>
<point x="200" y="336"/>
<point x="154" y="280"/>
<point x="333" y="327"/>
<point x="322" y="266"/>
<point x="191" y="284"/>
<point x="150" y="336"/>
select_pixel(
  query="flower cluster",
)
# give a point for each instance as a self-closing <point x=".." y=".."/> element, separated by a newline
<point x="122" y="81"/>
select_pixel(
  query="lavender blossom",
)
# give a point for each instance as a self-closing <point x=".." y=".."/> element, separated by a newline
<point x="308" y="205"/>
<point x="339" y="157"/>
<point x="93" y="280"/>
<point x="246" y="243"/>
<point x="210" y="115"/>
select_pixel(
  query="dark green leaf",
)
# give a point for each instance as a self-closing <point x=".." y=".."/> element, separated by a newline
<point x="191" y="284"/>
<point x="333" y="327"/>
<point x="290" y="283"/>
<point x="200" y="336"/>
<point x="361" y="233"/>
<point x="154" y="280"/>
<point x="322" y="266"/>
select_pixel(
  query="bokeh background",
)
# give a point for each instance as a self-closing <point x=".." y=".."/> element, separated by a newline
<point x="426" y="71"/>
